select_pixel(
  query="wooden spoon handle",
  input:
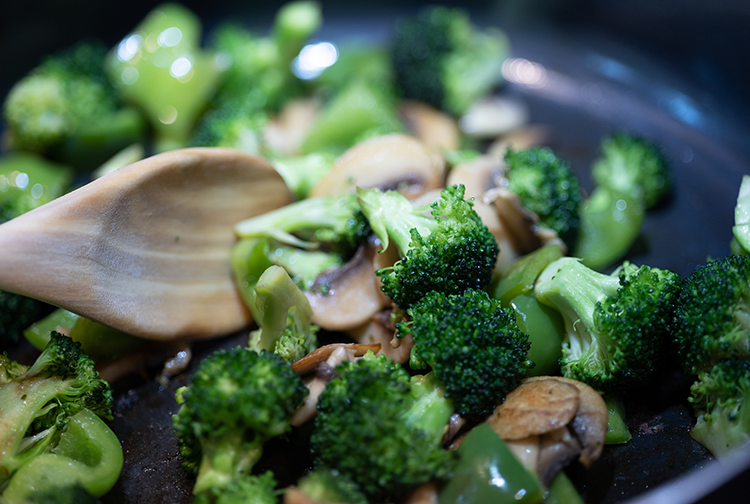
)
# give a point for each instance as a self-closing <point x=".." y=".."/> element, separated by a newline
<point x="145" y="249"/>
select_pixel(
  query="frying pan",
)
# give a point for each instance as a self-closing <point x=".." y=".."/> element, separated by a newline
<point x="605" y="67"/>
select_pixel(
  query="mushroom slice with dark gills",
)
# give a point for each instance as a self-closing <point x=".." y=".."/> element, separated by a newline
<point x="395" y="161"/>
<point x="548" y="421"/>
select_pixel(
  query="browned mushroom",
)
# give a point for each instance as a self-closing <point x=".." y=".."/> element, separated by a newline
<point x="432" y="126"/>
<point x="347" y="297"/>
<point x="286" y="131"/>
<point x="548" y="421"/>
<point x="521" y="138"/>
<point x="396" y="161"/>
<point x="494" y="116"/>
<point x="375" y="332"/>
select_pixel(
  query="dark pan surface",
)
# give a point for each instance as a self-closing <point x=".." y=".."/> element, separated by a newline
<point x="593" y="87"/>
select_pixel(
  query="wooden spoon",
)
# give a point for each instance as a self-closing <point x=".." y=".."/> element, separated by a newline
<point x="145" y="249"/>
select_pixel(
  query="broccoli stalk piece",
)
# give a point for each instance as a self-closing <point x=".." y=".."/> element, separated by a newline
<point x="284" y="317"/>
<point x="720" y="399"/>
<point x="329" y="485"/>
<point x="440" y="58"/>
<point x="44" y="409"/>
<point x="712" y="317"/>
<point x="306" y="238"/>
<point x="614" y="324"/>
<point x="472" y="344"/>
<point x="634" y="166"/>
<point x="171" y="83"/>
<point x="244" y="489"/>
<point x="546" y="186"/>
<point x="236" y="400"/>
<point x="373" y="429"/>
<point x="67" y="108"/>
<point x="450" y="252"/>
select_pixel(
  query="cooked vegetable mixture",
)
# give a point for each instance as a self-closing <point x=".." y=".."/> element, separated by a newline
<point x="443" y="315"/>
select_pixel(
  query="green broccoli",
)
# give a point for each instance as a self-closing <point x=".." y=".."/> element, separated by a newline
<point x="284" y="317"/>
<point x="615" y="324"/>
<point x="472" y="344"/>
<point x="357" y="112"/>
<point x="161" y="68"/>
<point x="244" y="489"/>
<point x="258" y="73"/>
<point x="236" y="400"/>
<point x="450" y="252"/>
<point x="440" y="58"/>
<point x="65" y="495"/>
<point x="302" y="173"/>
<point x="712" y="318"/>
<point x="547" y="186"/>
<point x="633" y="165"/>
<point x="67" y="108"/>
<point x="236" y="128"/>
<point x="51" y="435"/>
<point x="720" y="397"/>
<point x="306" y="238"/>
<point x="377" y="428"/>
<point x="330" y="486"/>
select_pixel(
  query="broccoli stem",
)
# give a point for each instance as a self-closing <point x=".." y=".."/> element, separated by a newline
<point x="575" y="290"/>
<point x="392" y="216"/>
<point x="431" y="410"/>
<point x="225" y="458"/>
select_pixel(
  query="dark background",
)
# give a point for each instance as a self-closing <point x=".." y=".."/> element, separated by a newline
<point x="706" y="41"/>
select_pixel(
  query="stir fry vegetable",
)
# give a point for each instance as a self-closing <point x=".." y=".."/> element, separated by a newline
<point x="419" y="281"/>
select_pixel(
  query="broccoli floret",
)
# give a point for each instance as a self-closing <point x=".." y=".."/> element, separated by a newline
<point x="720" y="398"/>
<point x="244" y="489"/>
<point x="547" y="186"/>
<point x="633" y="165"/>
<point x="172" y="80"/>
<point x="236" y="128"/>
<point x="259" y="71"/>
<point x="39" y="402"/>
<point x="440" y="58"/>
<point x="472" y="344"/>
<point x="450" y="252"/>
<point x="236" y="400"/>
<point x="330" y="486"/>
<point x="371" y="428"/>
<point x="306" y="238"/>
<point x="284" y="316"/>
<point x="357" y="112"/>
<point x="67" y="104"/>
<point x="712" y="318"/>
<point x="614" y="324"/>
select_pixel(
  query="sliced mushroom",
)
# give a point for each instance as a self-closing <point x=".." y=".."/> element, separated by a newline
<point x="535" y="408"/>
<point x="526" y="450"/>
<point x="424" y="494"/>
<point x="432" y="126"/>
<point x="286" y="132"/>
<point x="347" y="297"/>
<point x="494" y="116"/>
<point x="539" y="408"/>
<point x="317" y="384"/>
<point x="557" y="449"/>
<point x="518" y="139"/>
<point x="478" y="175"/>
<point x="396" y="161"/>
<point x="311" y="361"/>
<point x="519" y="222"/>
<point x="590" y="422"/>
<point x="376" y="333"/>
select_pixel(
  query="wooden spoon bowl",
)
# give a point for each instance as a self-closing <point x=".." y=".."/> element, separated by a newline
<point x="145" y="249"/>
